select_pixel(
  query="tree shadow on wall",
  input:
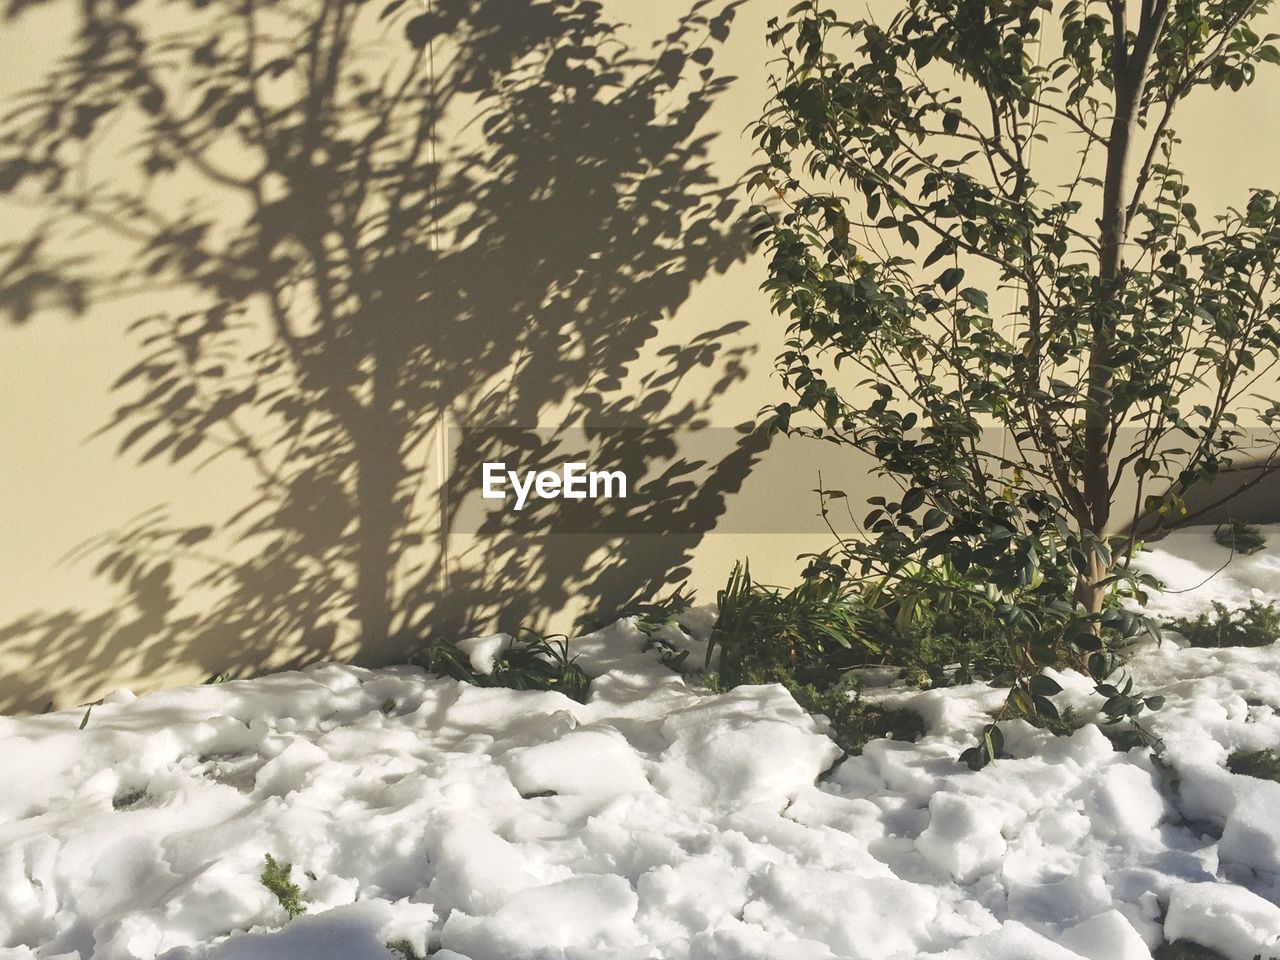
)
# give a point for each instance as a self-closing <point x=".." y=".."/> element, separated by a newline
<point x="375" y="220"/>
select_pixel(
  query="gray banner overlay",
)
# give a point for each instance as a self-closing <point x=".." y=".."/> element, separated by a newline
<point x="680" y="482"/>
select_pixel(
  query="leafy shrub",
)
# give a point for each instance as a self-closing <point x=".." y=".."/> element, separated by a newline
<point x="877" y="212"/>
<point x="886" y="202"/>
<point x="1240" y="537"/>
<point x="530" y="661"/>
<point x="764" y="630"/>
<point x="946" y="628"/>
<point x="943" y="626"/>
<point x="1263" y="764"/>
<point x="805" y="639"/>
<point x="1255" y="625"/>
<point x="277" y="877"/>
<point x="854" y="720"/>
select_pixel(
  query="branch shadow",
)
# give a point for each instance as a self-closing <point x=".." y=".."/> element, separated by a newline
<point x="367" y="223"/>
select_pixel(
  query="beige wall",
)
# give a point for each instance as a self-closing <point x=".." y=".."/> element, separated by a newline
<point x="69" y="634"/>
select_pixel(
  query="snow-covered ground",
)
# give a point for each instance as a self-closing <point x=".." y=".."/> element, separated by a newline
<point x="657" y="820"/>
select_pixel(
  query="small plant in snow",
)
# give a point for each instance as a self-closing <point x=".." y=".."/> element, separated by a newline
<point x="277" y="877"/>
<point x="657" y="620"/>
<point x="530" y="661"/>
<point x="1263" y="764"/>
<point x="405" y="949"/>
<point x="804" y="639"/>
<point x="1067" y="722"/>
<point x="805" y="632"/>
<point x="669" y="655"/>
<point x="1255" y="625"/>
<point x="122" y="801"/>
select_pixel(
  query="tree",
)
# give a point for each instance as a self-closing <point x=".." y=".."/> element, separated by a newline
<point x="353" y="223"/>
<point x="910" y="204"/>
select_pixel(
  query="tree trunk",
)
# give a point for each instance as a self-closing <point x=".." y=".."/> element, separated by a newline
<point x="1130" y="69"/>
<point x="1091" y="591"/>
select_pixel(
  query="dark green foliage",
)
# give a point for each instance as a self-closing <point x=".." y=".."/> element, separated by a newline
<point x="1124" y="739"/>
<point x="990" y="747"/>
<point x="936" y="623"/>
<point x="1190" y="950"/>
<point x="805" y="639"/>
<point x="1240" y="537"/>
<point x="933" y="616"/>
<point x="669" y="655"/>
<point x="1185" y="950"/>
<point x="884" y="195"/>
<point x="1064" y="724"/>
<point x="939" y="631"/>
<point x="277" y="877"/>
<point x="805" y="632"/>
<point x="900" y="224"/>
<point x="530" y="661"/>
<point x="1067" y="722"/>
<point x="854" y="720"/>
<point x="1255" y="625"/>
<point x="405" y="949"/>
<point x="1123" y="702"/>
<point x="122" y="801"/>
<point x="653" y="619"/>
<point x="1263" y="764"/>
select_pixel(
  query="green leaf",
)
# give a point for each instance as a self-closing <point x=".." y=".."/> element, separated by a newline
<point x="940" y="251"/>
<point x="1045" y="708"/>
<point x="933" y="517"/>
<point x="913" y="500"/>
<point x="1044" y="686"/>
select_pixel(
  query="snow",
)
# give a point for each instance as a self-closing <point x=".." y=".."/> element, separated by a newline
<point x="962" y="837"/>
<point x="483" y="651"/>
<point x="1196" y="570"/>
<point x="657" y="820"/>
<point x="1222" y="916"/>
